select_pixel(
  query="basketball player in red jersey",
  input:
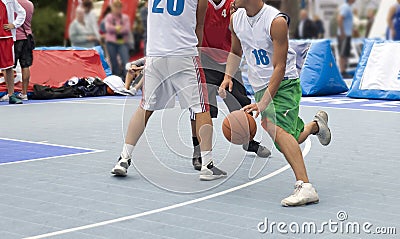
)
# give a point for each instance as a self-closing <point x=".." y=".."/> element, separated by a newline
<point x="215" y="50"/>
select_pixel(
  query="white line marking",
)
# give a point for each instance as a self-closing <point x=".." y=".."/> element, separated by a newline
<point x="90" y="103"/>
<point x="52" y="157"/>
<point x="42" y="143"/>
<point x="92" y="151"/>
<point x="74" y="229"/>
<point x="55" y="101"/>
<point x="341" y="108"/>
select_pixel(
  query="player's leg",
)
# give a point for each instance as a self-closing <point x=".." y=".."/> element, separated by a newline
<point x="318" y="127"/>
<point x="9" y="79"/>
<point x="129" y="79"/>
<point x="6" y="64"/>
<point x="154" y="98"/>
<point x="196" y="158"/>
<point x="304" y="192"/>
<point x="136" y="127"/>
<point x="290" y="148"/>
<point x="25" y="57"/>
<point x="204" y="132"/>
<point x="283" y="124"/>
<point x="212" y="102"/>
<point x="189" y="83"/>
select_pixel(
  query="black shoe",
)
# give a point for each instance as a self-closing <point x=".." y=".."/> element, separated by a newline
<point x="255" y="147"/>
<point x="196" y="160"/>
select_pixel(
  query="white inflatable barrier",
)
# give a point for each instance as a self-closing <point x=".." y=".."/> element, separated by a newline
<point x="378" y="71"/>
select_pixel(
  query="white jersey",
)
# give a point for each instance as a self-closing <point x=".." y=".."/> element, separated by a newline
<point x="255" y="37"/>
<point x="171" y="28"/>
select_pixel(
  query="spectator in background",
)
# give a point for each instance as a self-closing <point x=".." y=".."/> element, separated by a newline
<point x="356" y="23"/>
<point x="12" y="16"/>
<point x="319" y="26"/>
<point x="79" y="33"/>
<point x="345" y="31"/>
<point x="370" y="21"/>
<point x="23" y="48"/>
<point x="305" y="28"/>
<point x="91" y="19"/>
<point x="393" y="20"/>
<point x="143" y="16"/>
<point x="117" y="37"/>
<point x="137" y="30"/>
<point x="102" y="26"/>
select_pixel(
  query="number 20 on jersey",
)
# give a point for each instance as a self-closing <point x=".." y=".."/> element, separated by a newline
<point x="174" y="7"/>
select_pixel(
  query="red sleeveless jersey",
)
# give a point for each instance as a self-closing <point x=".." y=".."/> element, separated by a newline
<point x="216" y="30"/>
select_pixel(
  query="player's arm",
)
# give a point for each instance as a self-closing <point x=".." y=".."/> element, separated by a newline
<point x="280" y="42"/>
<point x="232" y="64"/>
<point x="19" y="19"/>
<point x="200" y="15"/>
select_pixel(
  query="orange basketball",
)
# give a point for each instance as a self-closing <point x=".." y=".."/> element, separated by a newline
<point x="239" y="127"/>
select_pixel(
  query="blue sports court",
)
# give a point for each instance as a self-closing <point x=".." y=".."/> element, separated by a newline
<point x="55" y="181"/>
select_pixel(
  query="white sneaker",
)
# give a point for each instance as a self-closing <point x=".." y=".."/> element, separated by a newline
<point x="4" y="98"/>
<point x="133" y="91"/>
<point x="209" y="172"/>
<point x="121" y="168"/>
<point x="22" y="96"/>
<point x="304" y="193"/>
<point x="324" y="133"/>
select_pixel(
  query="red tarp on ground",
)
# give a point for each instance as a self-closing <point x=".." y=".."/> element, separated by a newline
<point x="54" y="67"/>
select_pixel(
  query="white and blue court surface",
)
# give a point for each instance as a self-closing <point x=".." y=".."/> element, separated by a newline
<point x="55" y="181"/>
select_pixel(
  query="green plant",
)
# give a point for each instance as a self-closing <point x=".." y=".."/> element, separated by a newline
<point x="48" y="26"/>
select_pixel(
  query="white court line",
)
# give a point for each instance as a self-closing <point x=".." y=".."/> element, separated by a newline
<point x="342" y="108"/>
<point x="55" y="101"/>
<point x="182" y="204"/>
<point x="90" y="103"/>
<point x="43" y="143"/>
<point x="92" y="151"/>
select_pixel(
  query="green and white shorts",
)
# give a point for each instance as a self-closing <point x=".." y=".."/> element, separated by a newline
<point x="283" y="111"/>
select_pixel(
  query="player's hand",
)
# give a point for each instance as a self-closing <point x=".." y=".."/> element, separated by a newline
<point x="257" y="107"/>
<point x="135" y="70"/>
<point x="233" y="8"/>
<point x="8" y="27"/>
<point x="226" y="83"/>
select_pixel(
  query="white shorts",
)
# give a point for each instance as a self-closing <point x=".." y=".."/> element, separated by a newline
<point x="168" y="77"/>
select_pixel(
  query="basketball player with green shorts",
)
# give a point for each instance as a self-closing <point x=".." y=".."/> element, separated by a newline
<point x="260" y="32"/>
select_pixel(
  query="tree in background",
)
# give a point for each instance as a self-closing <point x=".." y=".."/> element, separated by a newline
<point x="48" y="22"/>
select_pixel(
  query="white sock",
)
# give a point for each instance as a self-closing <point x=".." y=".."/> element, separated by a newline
<point x="127" y="150"/>
<point x="206" y="157"/>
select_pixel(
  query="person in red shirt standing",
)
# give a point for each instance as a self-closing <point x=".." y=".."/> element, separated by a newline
<point x="7" y="36"/>
<point x="23" y="48"/>
<point x="215" y="49"/>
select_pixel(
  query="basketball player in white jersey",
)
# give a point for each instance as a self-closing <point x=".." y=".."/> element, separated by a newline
<point x="260" y="32"/>
<point x="175" y="28"/>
